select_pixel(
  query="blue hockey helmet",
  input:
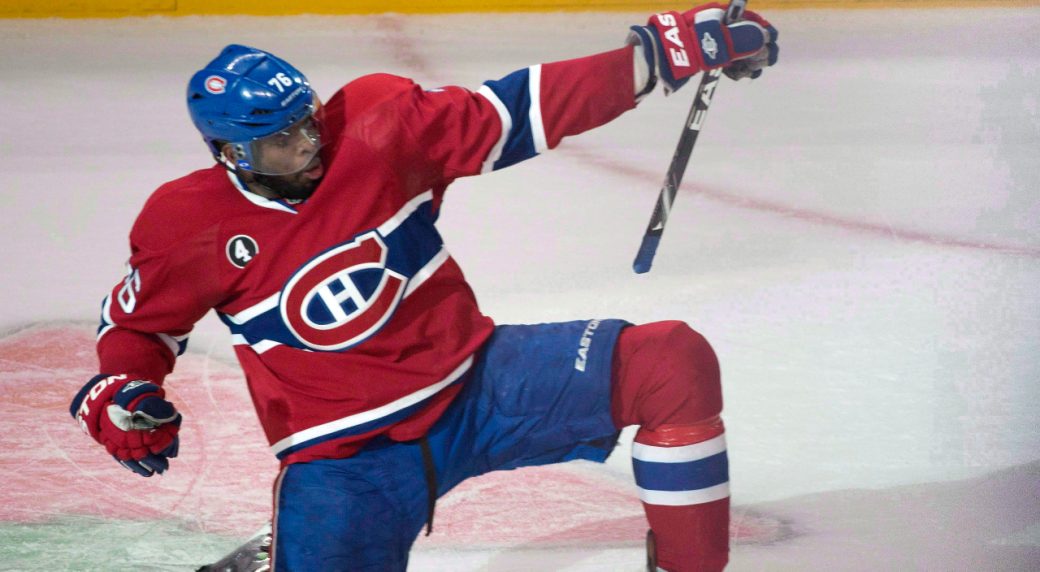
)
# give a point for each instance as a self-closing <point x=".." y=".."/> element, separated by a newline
<point x="246" y="94"/>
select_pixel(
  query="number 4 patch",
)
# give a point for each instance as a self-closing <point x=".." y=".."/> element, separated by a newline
<point x="241" y="249"/>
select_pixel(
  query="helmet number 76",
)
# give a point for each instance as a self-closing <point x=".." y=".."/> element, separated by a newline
<point x="280" y="81"/>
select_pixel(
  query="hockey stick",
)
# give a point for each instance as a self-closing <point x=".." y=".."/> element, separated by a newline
<point x="694" y="121"/>
<point x="253" y="556"/>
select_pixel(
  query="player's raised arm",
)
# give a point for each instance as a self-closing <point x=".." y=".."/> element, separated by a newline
<point x="531" y="110"/>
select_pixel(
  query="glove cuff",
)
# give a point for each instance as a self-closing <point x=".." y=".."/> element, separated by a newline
<point x="669" y="41"/>
<point x="104" y="392"/>
<point x="646" y="48"/>
<point x="92" y="398"/>
<point x="77" y="401"/>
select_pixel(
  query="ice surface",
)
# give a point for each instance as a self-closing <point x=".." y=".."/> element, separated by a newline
<point x="858" y="235"/>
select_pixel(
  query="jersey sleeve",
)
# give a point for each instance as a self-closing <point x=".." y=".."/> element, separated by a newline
<point x="147" y="317"/>
<point x="521" y="115"/>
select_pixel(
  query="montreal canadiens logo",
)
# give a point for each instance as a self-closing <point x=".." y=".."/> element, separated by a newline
<point x="342" y="297"/>
<point x="215" y="84"/>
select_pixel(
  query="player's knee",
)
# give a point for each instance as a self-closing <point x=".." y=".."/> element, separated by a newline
<point x="664" y="373"/>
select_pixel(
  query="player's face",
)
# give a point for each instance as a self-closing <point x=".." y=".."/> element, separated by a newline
<point x="286" y="164"/>
<point x="289" y="152"/>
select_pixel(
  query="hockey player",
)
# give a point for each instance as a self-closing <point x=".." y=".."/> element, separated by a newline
<point x="378" y="382"/>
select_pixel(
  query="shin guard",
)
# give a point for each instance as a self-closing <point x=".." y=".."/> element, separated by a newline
<point x="666" y="379"/>
<point x="683" y="478"/>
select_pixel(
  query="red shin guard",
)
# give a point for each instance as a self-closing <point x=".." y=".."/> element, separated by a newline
<point x="691" y="527"/>
<point x="666" y="379"/>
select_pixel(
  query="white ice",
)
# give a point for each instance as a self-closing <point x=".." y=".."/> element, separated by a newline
<point x="858" y="236"/>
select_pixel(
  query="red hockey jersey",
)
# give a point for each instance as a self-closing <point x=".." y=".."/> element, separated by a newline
<point x="348" y="315"/>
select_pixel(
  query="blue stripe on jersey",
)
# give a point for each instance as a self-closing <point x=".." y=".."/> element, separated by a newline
<point x="362" y="428"/>
<point x="414" y="242"/>
<point x="410" y="246"/>
<point x="104" y="324"/>
<point x="177" y="344"/>
<point x="689" y="476"/>
<point x="514" y="92"/>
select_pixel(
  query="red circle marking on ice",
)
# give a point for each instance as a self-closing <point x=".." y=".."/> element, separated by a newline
<point x="221" y="479"/>
<point x="223" y="476"/>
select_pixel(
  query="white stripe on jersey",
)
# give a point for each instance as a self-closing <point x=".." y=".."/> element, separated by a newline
<point x="425" y="272"/>
<point x="172" y="342"/>
<point x="507" y="126"/>
<point x="269" y="303"/>
<point x="372" y="414"/>
<point x="105" y="330"/>
<point x="106" y="316"/>
<point x="259" y="347"/>
<point x="403" y="213"/>
<point x="257" y="199"/>
<point x="108" y="324"/>
<point x="534" y="83"/>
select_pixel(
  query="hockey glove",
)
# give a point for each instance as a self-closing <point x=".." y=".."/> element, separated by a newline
<point x="678" y="46"/>
<point x="131" y="419"/>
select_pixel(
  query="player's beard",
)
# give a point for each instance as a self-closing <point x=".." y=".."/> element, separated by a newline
<point x="292" y="187"/>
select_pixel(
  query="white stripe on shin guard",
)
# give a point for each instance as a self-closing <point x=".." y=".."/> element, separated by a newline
<point x="681" y="476"/>
<point x="683" y="498"/>
<point x="683" y="454"/>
